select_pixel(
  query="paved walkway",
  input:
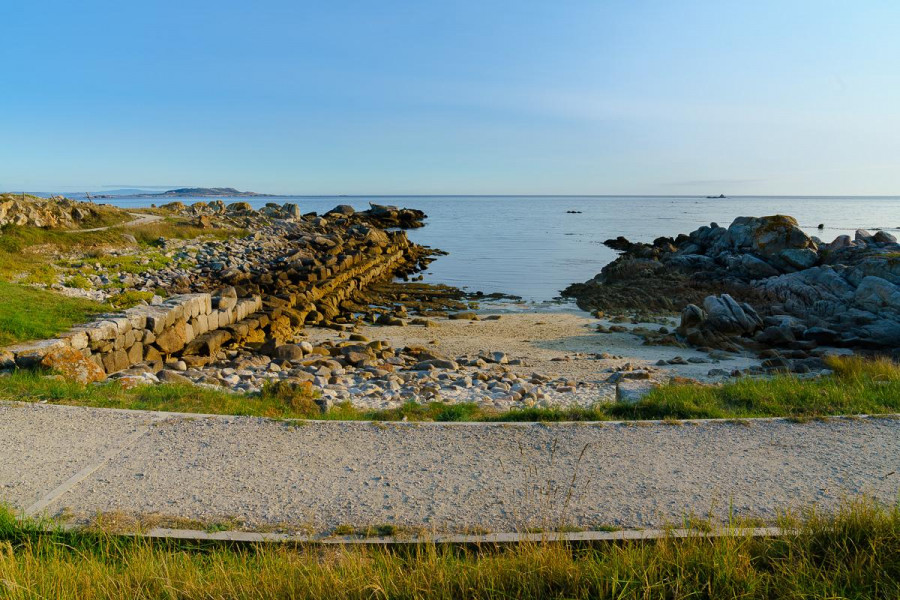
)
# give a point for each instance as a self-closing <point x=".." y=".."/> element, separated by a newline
<point x="447" y="477"/>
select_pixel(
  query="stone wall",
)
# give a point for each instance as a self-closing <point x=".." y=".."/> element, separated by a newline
<point x="194" y="327"/>
<point x="117" y="341"/>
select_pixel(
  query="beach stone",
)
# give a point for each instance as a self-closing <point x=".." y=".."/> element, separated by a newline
<point x="169" y="376"/>
<point x="290" y="352"/>
<point x="875" y="294"/>
<point x="73" y="365"/>
<point x="437" y="363"/>
<point x="463" y="315"/>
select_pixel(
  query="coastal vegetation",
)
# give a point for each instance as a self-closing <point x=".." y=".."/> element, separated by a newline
<point x="855" y="386"/>
<point x="32" y="257"/>
<point x="853" y="553"/>
<point x="30" y="313"/>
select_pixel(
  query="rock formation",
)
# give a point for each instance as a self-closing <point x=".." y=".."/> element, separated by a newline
<point x="762" y="280"/>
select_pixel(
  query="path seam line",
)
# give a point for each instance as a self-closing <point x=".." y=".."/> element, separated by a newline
<point x="89" y="470"/>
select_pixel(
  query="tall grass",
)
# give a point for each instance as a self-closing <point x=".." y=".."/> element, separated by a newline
<point x="854" y="553"/>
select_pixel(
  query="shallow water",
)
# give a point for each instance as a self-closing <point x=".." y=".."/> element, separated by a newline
<point x="531" y="247"/>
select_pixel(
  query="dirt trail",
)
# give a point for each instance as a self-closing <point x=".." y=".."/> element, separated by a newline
<point x="141" y="219"/>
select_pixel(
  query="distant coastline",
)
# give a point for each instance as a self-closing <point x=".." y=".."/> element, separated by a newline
<point x="225" y="192"/>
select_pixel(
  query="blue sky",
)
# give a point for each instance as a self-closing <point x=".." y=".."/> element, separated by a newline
<point x="518" y="97"/>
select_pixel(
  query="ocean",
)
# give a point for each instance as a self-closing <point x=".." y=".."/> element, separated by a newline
<point x="532" y="247"/>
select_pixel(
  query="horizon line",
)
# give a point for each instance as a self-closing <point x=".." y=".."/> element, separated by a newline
<point x="632" y="195"/>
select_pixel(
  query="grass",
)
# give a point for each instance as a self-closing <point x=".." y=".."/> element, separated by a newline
<point x="34" y="387"/>
<point x="857" y="386"/>
<point x="854" y="553"/>
<point x="27" y="252"/>
<point x="125" y="263"/>
<point x="30" y="313"/>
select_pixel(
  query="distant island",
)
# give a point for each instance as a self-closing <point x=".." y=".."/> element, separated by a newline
<point x="719" y="196"/>
<point x="224" y="192"/>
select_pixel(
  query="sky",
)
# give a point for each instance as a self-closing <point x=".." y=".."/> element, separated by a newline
<point x="787" y="97"/>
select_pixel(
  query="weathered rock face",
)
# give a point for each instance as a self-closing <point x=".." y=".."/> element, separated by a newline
<point x="54" y="213"/>
<point x="722" y="323"/>
<point x="843" y="293"/>
<point x="73" y="365"/>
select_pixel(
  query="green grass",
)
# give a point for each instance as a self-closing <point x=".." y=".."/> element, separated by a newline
<point x="29" y="313"/>
<point x="35" y="387"/>
<point x="858" y="386"/>
<point x="854" y="553"/>
<point x="125" y="263"/>
<point x="27" y="252"/>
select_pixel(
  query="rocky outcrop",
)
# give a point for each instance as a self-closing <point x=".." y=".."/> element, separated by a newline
<point x="799" y="290"/>
<point x="310" y="270"/>
<point x="56" y="213"/>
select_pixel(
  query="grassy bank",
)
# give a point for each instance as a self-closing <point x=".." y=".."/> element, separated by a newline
<point x="28" y="313"/>
<point x="33" y="387"/>
<point x="852" y="554"/>
<point x="28" y="254"/>
<point x="857" y="386"/>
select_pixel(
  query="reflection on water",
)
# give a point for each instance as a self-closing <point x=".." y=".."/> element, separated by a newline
<point x="532" y="247"/>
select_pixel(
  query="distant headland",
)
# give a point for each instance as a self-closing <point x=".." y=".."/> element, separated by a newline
<point x="199" y="192"/>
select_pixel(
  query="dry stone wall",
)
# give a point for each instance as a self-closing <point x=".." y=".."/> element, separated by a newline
<point x="194" y="327"/>
<point x="117" y="341"/>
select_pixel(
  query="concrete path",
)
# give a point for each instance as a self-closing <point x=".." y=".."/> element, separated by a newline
<point x="442" y="477"/>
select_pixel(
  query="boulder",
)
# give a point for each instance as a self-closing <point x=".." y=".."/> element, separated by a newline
<point x="883" y="237"/>
<point x="73" y="365"/>
<point x="291" y="211"/>
<point x="173" y="338"/>
<point x="115" y="361"/>
<point x="289" y="352"/>
<point x="756" y="268"/>
<point x="726" y="315"/>
<point x="692" y="316"/>
<point x="876" y="294"/>
<point x="31" y="354"/>
<point x="799" y="258"/>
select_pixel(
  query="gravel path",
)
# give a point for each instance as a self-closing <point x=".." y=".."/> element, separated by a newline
<point x="447" y="477"/>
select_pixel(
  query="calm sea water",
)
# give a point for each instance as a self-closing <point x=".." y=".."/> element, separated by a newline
<point x="531" y="247"/>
